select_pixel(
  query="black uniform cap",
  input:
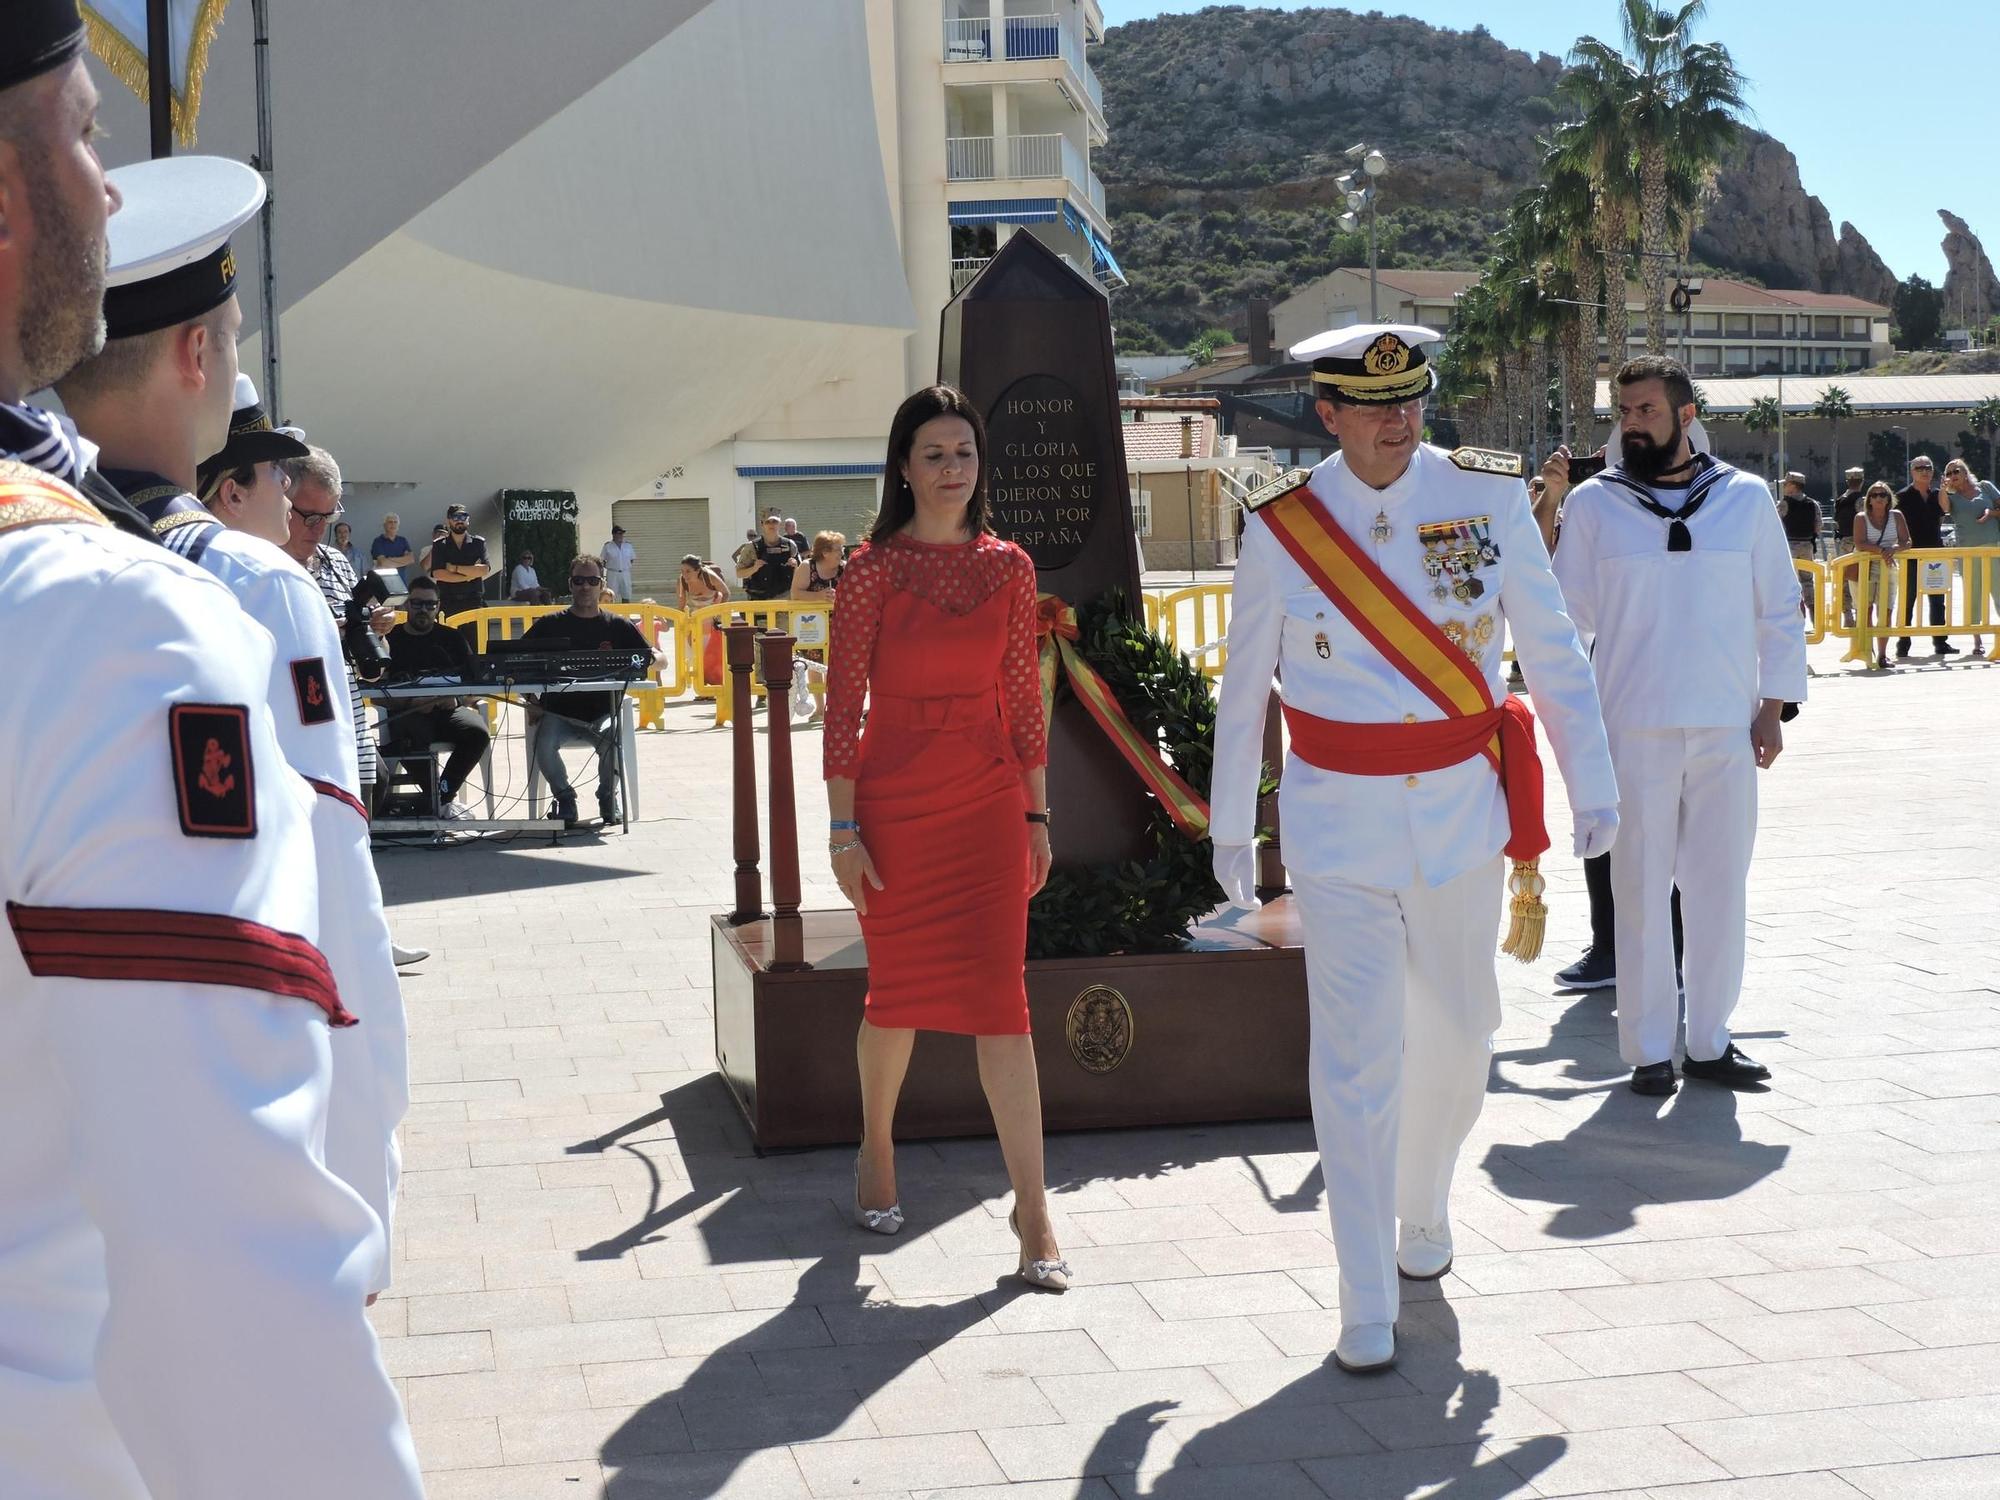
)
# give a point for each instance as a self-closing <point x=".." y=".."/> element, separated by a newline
<point x="39" y="35"/>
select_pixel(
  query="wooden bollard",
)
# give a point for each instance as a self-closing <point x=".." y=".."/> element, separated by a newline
<point x="787" y="931"/>
<point x="740" y="637"/>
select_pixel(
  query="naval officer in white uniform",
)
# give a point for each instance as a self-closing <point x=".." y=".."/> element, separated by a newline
<point x="1398" y="872"/>
<point x="1676" y="563"/>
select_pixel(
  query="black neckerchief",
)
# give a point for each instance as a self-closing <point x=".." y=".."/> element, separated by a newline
<point x="1707" y="473"/>
<point x="179" y="522"/>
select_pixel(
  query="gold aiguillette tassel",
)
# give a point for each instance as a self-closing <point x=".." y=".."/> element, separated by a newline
<point x="1528" y="918"/>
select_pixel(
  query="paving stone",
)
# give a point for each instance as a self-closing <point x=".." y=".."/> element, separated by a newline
<point x="1608" y="1402"/>
<point x="895" y="1465"/>
<point x="1790" y="1441"/>
<point x="1580" y="1462"/>
<point x="1802" y="1384"/>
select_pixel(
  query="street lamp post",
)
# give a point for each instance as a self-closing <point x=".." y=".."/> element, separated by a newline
<point x="1360" y="194"/>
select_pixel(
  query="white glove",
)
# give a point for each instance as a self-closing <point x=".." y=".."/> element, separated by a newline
<point x="1236" y="873"/>
<point x="1596" y="830"/>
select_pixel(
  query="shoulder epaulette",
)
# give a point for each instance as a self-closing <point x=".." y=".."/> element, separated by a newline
<point x="1489" y="461"/>
<point x="1277" y="489"/>
<point x="29" y="497"/>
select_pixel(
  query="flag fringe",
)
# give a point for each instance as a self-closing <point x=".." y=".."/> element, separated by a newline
<point x="128" y="63"/>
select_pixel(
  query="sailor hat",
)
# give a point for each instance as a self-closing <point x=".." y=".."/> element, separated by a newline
<point x="1371" y="363"/>
<point x="169" y="252"/>
<point x="39" y="35"/>
<point x="252" y="440"/>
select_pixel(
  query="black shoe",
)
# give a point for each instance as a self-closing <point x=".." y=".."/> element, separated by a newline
<point x="565" y="809"/>
<point x="1653" y="1078"/>
<point x="1902" y="650"/>
<point x="1733" y="1069"/>
<point x="1944" y="648"/>
<point x="1597" y="969"/>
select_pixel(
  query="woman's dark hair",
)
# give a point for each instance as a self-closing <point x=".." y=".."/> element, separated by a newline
<point x="898" y="501"/>
<point x="692" y="560"/>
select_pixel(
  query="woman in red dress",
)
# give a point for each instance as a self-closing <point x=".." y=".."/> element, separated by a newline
<point x="939" y="809"/>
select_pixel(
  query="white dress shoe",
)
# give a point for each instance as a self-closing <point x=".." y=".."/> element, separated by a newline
<point x="1423" y="1253"/>
<point x="407" y="956"/>
<point x="1365" y="1347"/>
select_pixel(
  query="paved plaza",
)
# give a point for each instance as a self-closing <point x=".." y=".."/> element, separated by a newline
<point x="601" y="1289"/>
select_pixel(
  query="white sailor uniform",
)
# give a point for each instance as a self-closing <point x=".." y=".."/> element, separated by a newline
<point x="1686" y="644"/>
<point x="181" y="1279"/>
<point x="1399" y="879"/>
<point x="309" y="705"/>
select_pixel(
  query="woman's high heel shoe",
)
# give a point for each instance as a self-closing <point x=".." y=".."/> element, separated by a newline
<point x="1049" y="1275"/>
<point x="877" y="1220"/>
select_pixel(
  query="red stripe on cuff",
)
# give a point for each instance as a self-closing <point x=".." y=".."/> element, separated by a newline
<point x="174" y="947"/>
<point x="339" y="794"/>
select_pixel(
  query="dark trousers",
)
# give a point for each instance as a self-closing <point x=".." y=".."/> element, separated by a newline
<point x="464" y="729"/>
<point x="1937" y="605"/>
<point x="1603" y="929"/>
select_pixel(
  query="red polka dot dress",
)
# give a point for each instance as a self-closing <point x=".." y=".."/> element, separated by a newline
<point x="940" y="641"/>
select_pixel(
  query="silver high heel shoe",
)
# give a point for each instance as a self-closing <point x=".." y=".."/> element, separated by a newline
<point x="877" y="1220"/>
<point x="1049" y="1275"/>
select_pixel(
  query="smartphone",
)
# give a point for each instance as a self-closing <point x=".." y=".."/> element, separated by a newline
<point x="1583" y="465"/>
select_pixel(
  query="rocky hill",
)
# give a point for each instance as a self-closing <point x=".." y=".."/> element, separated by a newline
<point x="1226" y="131"/>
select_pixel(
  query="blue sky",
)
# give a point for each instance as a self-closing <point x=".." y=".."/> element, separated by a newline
<point x="1893" y="109"/>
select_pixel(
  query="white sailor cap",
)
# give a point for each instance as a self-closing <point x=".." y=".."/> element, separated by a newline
<point x="1371" y="363"/>
<point x="169" y="256"/>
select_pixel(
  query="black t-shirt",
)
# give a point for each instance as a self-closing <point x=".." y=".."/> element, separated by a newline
<point x="1801" y="518"/>
<point x="1845" y="504"/>
<point x="447" y="551"/>
<point x="1920" y="508"/>
<point x="569" y="631"/>
<point x="439" y="650"/>
<point x="773" y="578"/>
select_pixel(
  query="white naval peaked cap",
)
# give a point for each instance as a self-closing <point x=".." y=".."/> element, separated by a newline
<point x="1372" y="364"/>
<point x="1353" y="341"/>
<point x="168" y="245"/>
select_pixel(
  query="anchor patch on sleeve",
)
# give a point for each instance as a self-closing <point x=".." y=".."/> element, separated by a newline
<point x="310" y="685"/>
<point x="213" y="782"/>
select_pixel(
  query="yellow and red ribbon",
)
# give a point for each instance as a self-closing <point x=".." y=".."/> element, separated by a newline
<point x="1056" y="627"/>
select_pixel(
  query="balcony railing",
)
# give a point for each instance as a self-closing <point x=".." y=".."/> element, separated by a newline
<point x="1037" y="36"/>
<point x="970" y="158"/>
<point x="963" y="270"/>
<point x="1096" y="189"/>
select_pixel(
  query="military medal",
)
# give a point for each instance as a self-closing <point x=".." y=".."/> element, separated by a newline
<point x="1381" y="530"/>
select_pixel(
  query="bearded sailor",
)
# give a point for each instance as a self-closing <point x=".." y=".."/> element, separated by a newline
<point x="1676" y="564"/>
<point x="1383" y="588"/>
<point x="158" y="402"/>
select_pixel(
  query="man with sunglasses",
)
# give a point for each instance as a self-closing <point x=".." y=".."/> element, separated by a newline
<point x="459" y="565"/>
<point x="589" y="718"/>
<point x="418" y="648"/>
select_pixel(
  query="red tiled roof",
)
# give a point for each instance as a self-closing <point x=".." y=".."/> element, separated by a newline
<point x="1160" y="438"/>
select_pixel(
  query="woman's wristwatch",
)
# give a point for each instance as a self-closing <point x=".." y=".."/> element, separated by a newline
<point x="1039" y="817"/>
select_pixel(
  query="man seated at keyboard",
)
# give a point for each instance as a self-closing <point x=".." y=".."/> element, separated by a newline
<point x="589" y="718"/>
<point x="421" y="648"/>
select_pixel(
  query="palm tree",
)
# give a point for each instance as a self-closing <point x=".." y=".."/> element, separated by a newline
<point x="1597" y="146"/>
<point x="1556" y="223"/>
<point x="1836" y="406"/>
<point x="1675" y="101"/>
<point x="1986" y="422"/>
<point x="1763" y="416"/>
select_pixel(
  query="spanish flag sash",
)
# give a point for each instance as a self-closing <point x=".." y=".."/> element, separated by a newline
<point x="29" y="497"/>
<point x="1411" y="642"/>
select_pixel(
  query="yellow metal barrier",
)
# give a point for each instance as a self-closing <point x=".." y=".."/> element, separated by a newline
<point x="808" y="620"/>
<point x="1971" y="609"/>
<point x="1812" y="587"/>
<point x="1192" y="618"/>
<point x="667" y="628"/>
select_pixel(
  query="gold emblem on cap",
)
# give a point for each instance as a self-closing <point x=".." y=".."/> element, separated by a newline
<point x="228" y="266"/>
<point x="1388" y="355"/>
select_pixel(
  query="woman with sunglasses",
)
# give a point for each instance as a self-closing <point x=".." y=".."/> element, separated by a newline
<point x="1881" y="532"/>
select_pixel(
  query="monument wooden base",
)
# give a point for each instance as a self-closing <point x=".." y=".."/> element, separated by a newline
<point x="1215" y="1033"/>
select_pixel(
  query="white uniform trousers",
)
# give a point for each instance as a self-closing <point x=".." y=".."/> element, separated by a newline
<point x="1404" y="1004"/>
<point x="1687" y="814"/>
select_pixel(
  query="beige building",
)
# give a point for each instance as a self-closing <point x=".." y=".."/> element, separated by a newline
<point x="1188" y="480"/>
<point x="1730" y="329"/>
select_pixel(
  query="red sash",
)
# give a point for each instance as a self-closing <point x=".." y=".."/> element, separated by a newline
<point x="1412" y="643"/>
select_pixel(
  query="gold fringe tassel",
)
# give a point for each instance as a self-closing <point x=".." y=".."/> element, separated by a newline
<point x="1528" y="918"/>
<point x="127" y="62"/>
